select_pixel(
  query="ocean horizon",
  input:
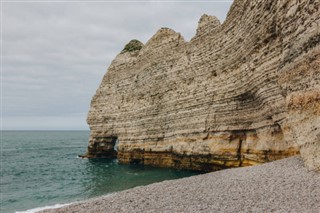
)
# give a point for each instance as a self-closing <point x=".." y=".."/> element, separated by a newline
<point x="41" y="169"/>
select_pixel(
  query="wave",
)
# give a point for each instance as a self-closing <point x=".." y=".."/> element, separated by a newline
<point x="44" y="148"/>
<point x="59" y="205"/>
<point x="44" y="208"/>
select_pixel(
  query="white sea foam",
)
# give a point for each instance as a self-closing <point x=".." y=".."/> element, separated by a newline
<point x="43" y="208"/>
<point x="60" y="205"/>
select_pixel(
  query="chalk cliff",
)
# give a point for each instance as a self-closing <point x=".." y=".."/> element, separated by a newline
<point x="239" y="93"/>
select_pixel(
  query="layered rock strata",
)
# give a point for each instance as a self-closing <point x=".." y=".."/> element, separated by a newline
<point x="239" y="93"/>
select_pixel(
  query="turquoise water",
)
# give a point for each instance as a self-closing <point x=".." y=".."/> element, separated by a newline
<point x="41" y="168"/>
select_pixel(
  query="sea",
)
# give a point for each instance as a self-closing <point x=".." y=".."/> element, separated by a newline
<point x="40" y="169"/>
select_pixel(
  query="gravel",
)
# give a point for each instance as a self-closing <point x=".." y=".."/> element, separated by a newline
<point x="280" y="186"/>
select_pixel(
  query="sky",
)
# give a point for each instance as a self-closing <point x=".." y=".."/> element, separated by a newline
<point x="55" y="53"/>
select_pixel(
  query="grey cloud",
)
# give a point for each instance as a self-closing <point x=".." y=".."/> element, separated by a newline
<point x="55" y="54"/>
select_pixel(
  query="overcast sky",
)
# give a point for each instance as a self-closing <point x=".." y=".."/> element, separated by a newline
<point x="55" y="54"/>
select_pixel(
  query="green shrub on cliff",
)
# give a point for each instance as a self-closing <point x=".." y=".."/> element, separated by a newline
<point x="133" y="45"/>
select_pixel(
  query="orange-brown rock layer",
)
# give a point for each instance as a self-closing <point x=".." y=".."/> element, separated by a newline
<point x="224" y="99"/>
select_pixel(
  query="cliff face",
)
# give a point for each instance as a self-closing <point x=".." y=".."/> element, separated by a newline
<point x="239" y="93"/>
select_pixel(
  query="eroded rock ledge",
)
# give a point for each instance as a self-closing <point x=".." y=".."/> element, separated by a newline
<point x="239" y="93"/>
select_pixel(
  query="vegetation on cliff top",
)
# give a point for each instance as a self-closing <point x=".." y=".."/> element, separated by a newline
<point x="133" y="45"/>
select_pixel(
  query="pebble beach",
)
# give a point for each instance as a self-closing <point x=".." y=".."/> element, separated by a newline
<point x="280" y="186"/>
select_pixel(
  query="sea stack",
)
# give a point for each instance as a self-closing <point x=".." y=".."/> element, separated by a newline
<point x="240" y="93"/>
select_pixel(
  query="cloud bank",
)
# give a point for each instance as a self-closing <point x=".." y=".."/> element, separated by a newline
<point x="55" y="54"/>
